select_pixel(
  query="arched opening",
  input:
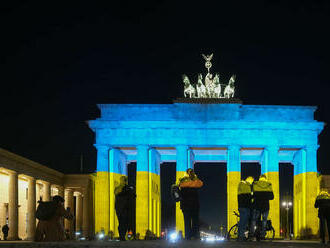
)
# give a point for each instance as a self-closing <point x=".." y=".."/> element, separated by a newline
<point x="213" y="196"/>
<point x="286" y="199"/>
<point x="167" y="178"/>
<point x="250" y="170"/>
<point x="131" y="174"/>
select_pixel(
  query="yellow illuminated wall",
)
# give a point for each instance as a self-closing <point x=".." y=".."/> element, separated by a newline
<point x="274" y="205"/>
<point x="102" y="201"/>
<point x="105" y="213"/>
<point x="178" y="213"/>
<point x="233" y="178"/>
<point x="114" y="182"/>
<point x="306" y="187"/>
<point x="155" y="206"/>
<point x="148" y="203"/>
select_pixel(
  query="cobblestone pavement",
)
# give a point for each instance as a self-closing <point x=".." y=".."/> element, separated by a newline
<point x="162" y="244"/>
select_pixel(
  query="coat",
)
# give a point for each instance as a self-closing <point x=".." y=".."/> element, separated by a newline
<point x="53" y="229"/>
<point x="322" y="202"/>
<point x="124" y="200"/>
<point x="189" y="193"/>
<point x="262" y="194"/>
<point x="244" y="195"/>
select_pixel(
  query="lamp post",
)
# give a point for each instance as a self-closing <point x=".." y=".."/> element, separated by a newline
<point x="287" y="205"/>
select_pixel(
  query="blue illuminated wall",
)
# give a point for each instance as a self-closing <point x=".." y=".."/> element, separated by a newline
<point x="208" y="125"/>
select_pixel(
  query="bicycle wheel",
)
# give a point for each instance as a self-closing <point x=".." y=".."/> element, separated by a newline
<point x="233" y="232"/>
<point x="270" y="234"/>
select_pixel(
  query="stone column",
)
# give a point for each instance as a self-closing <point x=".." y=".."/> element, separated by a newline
<point x="79" y="212"/>
<point x="85" y="225"/>
<point x="117" y="168"/>
<point x="46" y="191"/>
<point x="13" y="206"/>
<point x="181" y="167"/>
<point x="233" y="179"/>
<point x="142" y="190"/>
<point x="31" y="208"/>
<point x="154" y="191"/>
<point x="3" y="212"/>
<point x="270" y="167"/>
<point x="68" y="203"/>
<point x="306" y="188"/>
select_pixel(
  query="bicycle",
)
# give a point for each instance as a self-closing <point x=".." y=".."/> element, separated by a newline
<point x="270" y="231"/>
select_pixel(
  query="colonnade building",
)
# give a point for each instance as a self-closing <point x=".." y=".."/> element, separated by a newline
<point x="24" y="182"/>
<point x="204" y="131"/>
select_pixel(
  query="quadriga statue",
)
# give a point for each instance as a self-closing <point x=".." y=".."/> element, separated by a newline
<point x="189" y="90"/>
<point x="230" y="88"/>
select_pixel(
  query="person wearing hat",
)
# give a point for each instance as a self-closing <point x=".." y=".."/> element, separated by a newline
<point x="262" y="194"/>
<point x="244" y="196"/>
<point x="189" y="203"/>
<point x="322" y="202"/>
<point x="124" y="201"/>
<point x="52" y="229"/>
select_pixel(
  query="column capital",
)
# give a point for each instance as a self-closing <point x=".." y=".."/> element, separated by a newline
<point x="142" y="147"/>
<point x="233" y="147"/>
<point x="77" y="193"/>
<point x="30" y="178"/>
<point x="182" y="157"/>
<point x="182" y="146"/>
<point x="233" y="158"/>
<point x="311" y="147"/>
<point x="272" y="147"/>
<point x="45" y="182"/>
<point x="103" y="147"/>
<point x="142" y="158"/>
<point x="11" y="172"/>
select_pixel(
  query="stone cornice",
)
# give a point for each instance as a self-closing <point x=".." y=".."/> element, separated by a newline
<point x="105" y="124"/>
<point x="77" y="180"/>
<point x="30" y="168"/>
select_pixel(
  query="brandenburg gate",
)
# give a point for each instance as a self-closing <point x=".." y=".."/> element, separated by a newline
<point x="207" y="126"/>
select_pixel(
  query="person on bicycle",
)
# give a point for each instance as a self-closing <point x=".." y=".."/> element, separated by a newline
<point x="189" y="203"/>
<point x="244" y="196"/>
<point x="322" y="202"/>
<point x="262" y="194"/>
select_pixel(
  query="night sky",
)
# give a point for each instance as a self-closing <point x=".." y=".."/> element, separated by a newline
<point x="58" y="61"/>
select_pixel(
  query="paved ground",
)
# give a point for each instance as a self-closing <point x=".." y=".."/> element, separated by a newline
<point x="163" y="244"/>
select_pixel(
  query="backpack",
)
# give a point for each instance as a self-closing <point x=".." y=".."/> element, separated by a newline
<point x="46" y="210"/>
<point x="176" y="193"/>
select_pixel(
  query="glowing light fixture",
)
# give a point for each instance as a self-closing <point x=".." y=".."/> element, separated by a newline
<point x="173" y="237"/>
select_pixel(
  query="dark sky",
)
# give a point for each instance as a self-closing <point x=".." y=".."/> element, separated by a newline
<point x="57" y="61"/>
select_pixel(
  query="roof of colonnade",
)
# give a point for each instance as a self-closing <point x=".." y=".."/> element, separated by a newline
<point x="12" y="162"/>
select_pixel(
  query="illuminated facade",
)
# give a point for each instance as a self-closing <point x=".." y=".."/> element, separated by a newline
<point x="24" y="182"/>
<point x="202" y="131"/>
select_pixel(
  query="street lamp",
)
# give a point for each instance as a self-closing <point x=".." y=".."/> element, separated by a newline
<point x="287" y="205"/>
